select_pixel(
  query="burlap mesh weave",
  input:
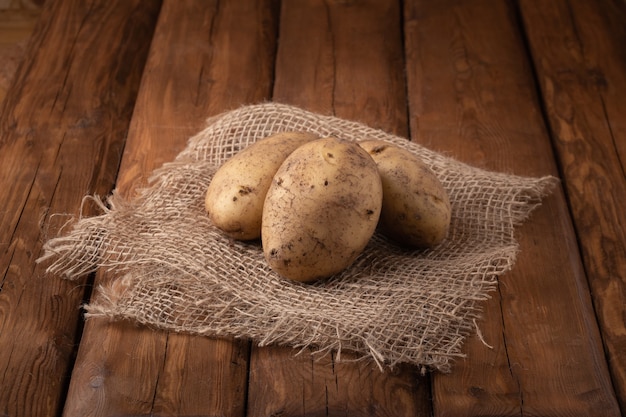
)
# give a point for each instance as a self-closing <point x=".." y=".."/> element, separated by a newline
<point x="172" y="270"/>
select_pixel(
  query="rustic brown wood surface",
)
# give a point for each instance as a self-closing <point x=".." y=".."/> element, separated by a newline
<point x="190" y="75"/>
<point x="531" y="88"/>
<point x="472" y="96"/>
<point x="16" y="27"/>
<point x="583" y="84"/>
<point x="62" y="128"/>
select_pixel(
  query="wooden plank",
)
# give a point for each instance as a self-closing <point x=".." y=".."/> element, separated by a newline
<point x="206" y="57"/>
<point x="472" y="95"/>
<point x="16" y="27"/>
<point x="62" y="128"/>
<point x="578" y="48"/>
<point x="337" y="58"/>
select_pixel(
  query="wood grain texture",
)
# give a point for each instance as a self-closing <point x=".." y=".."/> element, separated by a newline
<point x="284" y="384"/>
<point x="62" y="129"/>
<point x="206" y="57"/>
<point x="581" y="67"/>
<point x="16" y="27"/>
<point x="345" y="59"/>
<point x="472" y="96"/>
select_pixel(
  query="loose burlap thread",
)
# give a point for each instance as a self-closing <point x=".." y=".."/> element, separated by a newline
<point x="171" y="269"/>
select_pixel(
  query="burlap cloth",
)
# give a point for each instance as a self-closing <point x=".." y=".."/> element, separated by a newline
<point x="172" y="270"/>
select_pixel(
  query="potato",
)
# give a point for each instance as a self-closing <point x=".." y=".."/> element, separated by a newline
<point x="234" y="199"/>
<point x="416" y="208"/>
<point x="321" y="209"/>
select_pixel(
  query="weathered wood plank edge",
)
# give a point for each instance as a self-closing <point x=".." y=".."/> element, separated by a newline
<point x="62" y="125"/>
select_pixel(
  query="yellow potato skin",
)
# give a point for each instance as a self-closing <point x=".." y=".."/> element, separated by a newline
<point x="235" y="196"/>
<point x="321" y="209"/>
<point x="416" y="208"/>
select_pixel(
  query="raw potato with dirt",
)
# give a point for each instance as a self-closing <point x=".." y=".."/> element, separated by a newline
<point x="235" y="196"/>
<point x="416" y="208"/>
<point x="321" y="209"/>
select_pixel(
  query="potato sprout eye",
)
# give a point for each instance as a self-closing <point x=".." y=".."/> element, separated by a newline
<point x="378" y="149"/>
<point x="245" y="190"/>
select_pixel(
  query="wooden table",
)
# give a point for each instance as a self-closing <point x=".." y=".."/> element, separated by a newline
<point x="112" y="89"/>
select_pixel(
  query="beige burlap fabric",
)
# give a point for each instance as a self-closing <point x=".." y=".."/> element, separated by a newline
<point x="172" y="270"/>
